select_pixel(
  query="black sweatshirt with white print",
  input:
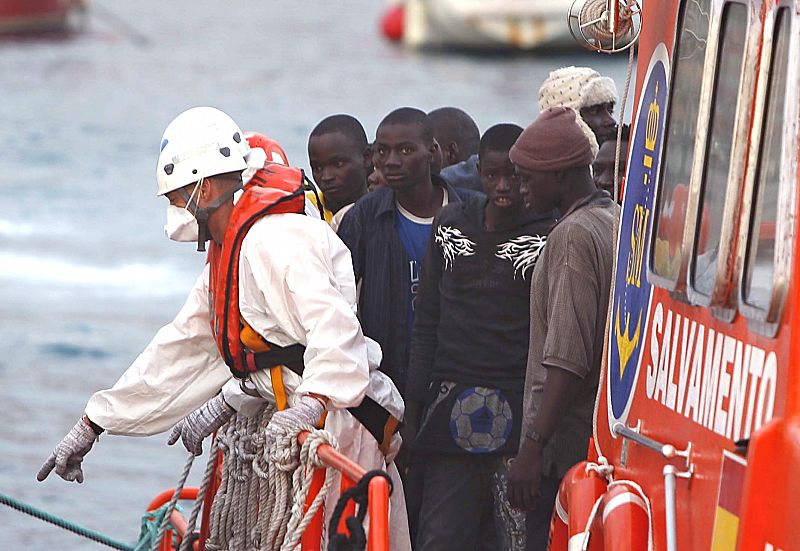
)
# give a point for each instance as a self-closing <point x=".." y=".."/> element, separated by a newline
<point x="473" y="307"/>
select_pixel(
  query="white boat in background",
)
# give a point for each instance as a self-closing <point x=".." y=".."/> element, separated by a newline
<point x="479" y="24"/>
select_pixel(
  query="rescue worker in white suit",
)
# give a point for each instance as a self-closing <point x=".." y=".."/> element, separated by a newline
<point x="296" y="289"/>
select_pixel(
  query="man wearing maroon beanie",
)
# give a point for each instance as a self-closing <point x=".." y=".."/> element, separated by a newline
<point x="569" y="300"/>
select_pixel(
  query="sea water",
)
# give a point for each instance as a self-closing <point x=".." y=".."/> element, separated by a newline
<point x="86" y="273"/>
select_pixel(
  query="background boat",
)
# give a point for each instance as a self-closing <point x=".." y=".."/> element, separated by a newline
<point x="479" y="24"/>
<point x="36" y="16"/>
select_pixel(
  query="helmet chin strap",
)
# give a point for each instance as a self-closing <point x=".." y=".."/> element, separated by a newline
<point x="202" y="214"/>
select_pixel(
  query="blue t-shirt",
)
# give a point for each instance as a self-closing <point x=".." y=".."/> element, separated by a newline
<point x="414" y="233"/>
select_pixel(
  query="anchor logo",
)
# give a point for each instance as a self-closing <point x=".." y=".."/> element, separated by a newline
<point x="625" y="344"/>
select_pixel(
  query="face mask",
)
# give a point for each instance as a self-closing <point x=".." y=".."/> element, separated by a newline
<point x="181" y="224"/>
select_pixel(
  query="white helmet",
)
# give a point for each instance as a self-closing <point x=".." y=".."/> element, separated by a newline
<point x="198" y="143"/>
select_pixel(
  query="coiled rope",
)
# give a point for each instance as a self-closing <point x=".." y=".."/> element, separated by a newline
<point x="261" y="499"/>
<point x="594" y="12"/>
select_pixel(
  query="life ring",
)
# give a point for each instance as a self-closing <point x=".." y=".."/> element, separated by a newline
<point x="625" y="519"/>
<point x="579" y="491"/>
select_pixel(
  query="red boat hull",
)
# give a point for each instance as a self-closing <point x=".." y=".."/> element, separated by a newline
<point x="22" y="16"/>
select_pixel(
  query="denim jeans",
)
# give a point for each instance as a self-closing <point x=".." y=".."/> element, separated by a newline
<point x="465" y="507"/>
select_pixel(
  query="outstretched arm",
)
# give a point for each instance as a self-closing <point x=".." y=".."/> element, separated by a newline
<point x="176" y="373"/>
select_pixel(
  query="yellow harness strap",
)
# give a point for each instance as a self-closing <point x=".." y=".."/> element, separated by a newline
<point x="277" y="387"/>
<point x="388" y="431"/>
<point x="257" y="343"/>
<point x="252" y="340"/>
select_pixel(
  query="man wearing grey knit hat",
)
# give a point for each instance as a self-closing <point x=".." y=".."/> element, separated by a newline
<point x="569" y="300"/>
<point x="590" y="94"/>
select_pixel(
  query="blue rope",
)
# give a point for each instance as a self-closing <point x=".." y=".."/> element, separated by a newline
<point x="151" y="523"/>
<point x="63" y="523"/>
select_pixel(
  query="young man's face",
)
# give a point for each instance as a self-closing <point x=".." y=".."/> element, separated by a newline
<point x="600" y="118"/>
<point x="500" y="180"/>
<point x="402" y="156"/>
<point x="541" y="190"/>
<point x="603" y="165"/>
<point x="338" y="168"/>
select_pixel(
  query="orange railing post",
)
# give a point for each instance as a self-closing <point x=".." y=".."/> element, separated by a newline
<point x="378" y="497"/>
<point x="312" y="537"/>
<point x="208" y="501"/>
<point x="349" y="509"/>
<point x="378" y="538"/>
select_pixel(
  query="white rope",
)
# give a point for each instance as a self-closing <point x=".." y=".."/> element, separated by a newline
<point x="601" y="382"/>
<point x="200" y="496"/>
<point x="261" y="499"/>
<point x="619" y="126"/>
<point x="309" y="462"/>
<point x="602" y="468"/>
<point x="172" y="502"/>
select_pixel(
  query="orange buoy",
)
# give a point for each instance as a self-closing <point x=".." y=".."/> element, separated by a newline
<point x="579" y="491"/>
<point x="626" y="522"/>
<point x="392" y="22"/>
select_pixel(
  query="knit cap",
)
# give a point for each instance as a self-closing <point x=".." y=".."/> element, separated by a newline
<point x="577" y="87"/>
<point x="554" y="141"/>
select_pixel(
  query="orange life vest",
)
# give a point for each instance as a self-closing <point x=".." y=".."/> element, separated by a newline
<point x="274" y="189"/>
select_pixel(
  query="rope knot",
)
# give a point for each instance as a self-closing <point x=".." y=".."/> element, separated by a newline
<point x="602" y="468"/>
<point x="315" y="439"/>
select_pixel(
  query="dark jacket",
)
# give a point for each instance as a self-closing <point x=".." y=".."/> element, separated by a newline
<point x="380" y="264"/>
<point x="464" y="175"/>
<point x="472" y="327"/>
<point x="473" y="313"/>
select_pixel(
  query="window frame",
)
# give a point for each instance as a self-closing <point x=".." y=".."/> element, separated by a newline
<point x="721" y="299"/>
<point x="677" y="286"/>
<point x="765" y="321"/>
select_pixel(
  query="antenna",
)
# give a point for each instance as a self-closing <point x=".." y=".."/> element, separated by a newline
<point x="607" y="26"/>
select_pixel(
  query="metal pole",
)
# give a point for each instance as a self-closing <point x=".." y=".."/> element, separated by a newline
<point x="667" y="450"/>
<point x="669" y="509"/>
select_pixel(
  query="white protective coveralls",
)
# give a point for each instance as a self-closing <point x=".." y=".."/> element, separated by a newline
<point x="296" y="285"/>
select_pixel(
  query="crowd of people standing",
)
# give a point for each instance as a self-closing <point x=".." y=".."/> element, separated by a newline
<point x="481" y="266"/>
<point x="493" y="339"/>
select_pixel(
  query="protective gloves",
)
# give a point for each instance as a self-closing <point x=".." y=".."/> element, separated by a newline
<point x="203" y="421"/>
<point x="69" y="453"/>
<point x="307" y="411"/>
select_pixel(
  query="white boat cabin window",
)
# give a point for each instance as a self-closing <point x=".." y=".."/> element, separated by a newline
<point x="684" y="105"/>
<point x="760" y="259"/>
<point x="733" y="36"/>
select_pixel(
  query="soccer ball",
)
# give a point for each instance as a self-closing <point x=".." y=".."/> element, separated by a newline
<point x="481" y="420"/>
